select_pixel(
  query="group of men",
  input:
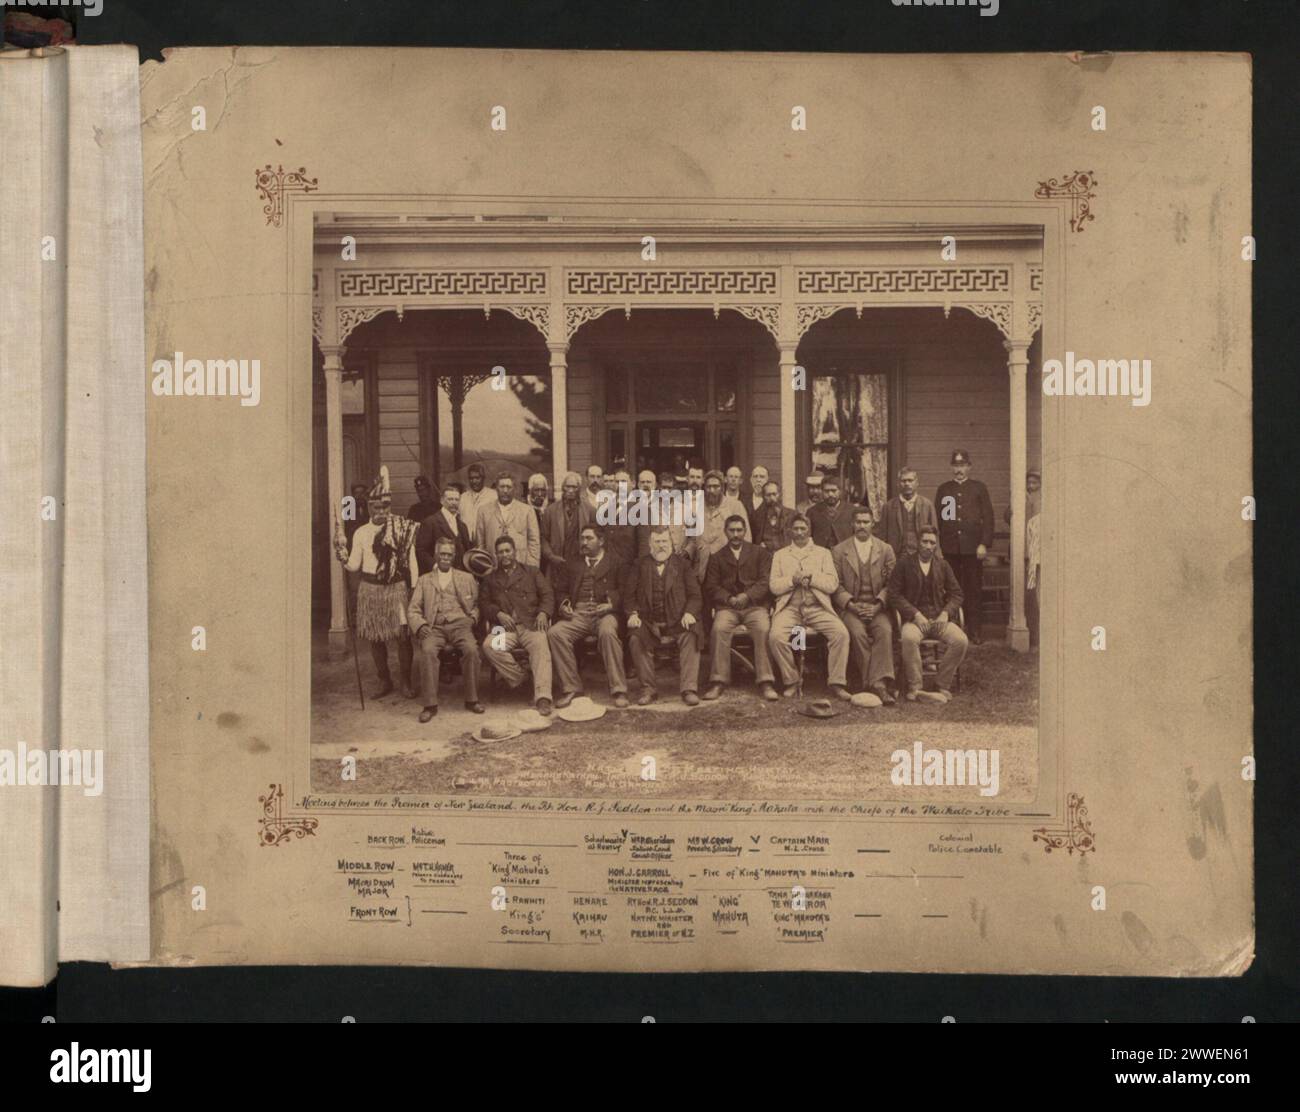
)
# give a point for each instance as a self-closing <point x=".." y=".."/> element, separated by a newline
<point x="477" y="570"/>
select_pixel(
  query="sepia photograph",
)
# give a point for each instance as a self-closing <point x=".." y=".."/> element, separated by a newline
<point x="765" y="508"/>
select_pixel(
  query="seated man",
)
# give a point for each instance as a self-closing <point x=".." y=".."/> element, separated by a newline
<point x="518" y="602"/>
<point x="442" y="613"/>
<point x="864" y="564"/>
<point x="803" y="579"/>
<point x="927" y="597"/>
<point x="736" y="583"/>
<point x="590" y="594"/>
<point x="662" y="598"/>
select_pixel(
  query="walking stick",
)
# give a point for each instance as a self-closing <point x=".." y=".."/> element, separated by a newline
<point x="340" y="545"/>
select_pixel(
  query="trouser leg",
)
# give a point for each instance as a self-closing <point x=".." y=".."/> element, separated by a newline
<point x="462" y="636"/>
<point x="562" y="637"/>
<point x="954" y="652"/>
<point x="972" y="589"/>
<point x="497" y="648"/>
<point x="430" y="665"/>
<point x="688" y="661"/>
<point x="778" y="640"/>
<point x="641" y="640"/>
<point x="909" y="641"/>
<point x="837" y="644"/>
<point x="758" y="625"/>
<point x="882" y="650"/>
<point x="405" y="655"/>
<point x="860" y="642"/>
<point x="611" y="650"/>
<point x="539" y="661"/>
<point x="724" y="625"/>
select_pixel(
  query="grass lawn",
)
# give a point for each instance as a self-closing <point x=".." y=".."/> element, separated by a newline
<point x="738" y="748"/>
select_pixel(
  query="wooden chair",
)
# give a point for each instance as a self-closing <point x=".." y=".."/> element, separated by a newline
<point x="931" y="649"/>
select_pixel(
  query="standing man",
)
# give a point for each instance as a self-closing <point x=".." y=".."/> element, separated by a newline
<point x="383" y="552"/>
<point x="506" y="517"/>
<point x="362" y="512"/>
<point x="927" y="596"/>
<point x="645" y="482"/>
<point x="966" y="534"/>
<point x="620" y="539"/>
<point x="803" y="580"/>
<point x="864" y="565"/>
<point x="590" y="598"/>
<point x="831" y="520"/>
<point x="663" y="600"/>
<point x="1033" y="549"/>
<point x="734" y="478"/>
<point x="539" y="496"/>
<point x="595" y="475"/>
<point x="716" y="512"/>
<point x="771" y="525"/>
<point x="694" y="477"/>
<point x="562" y="524"/>
<point x="754" y="498"/>
<point x="736" y="584"/>
<point x="905" y="513"/>
<point x="443" y="611"/>
<point x="474" y="497"/>
<point x="667" y="480"/>
<point x="445" y="523"/>
<point x="426" y="504"/>
<point x="813" y="485"/>
<point x="521" y="602"/>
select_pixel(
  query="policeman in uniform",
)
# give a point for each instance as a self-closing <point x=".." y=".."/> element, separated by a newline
<point x="966" y="534"/>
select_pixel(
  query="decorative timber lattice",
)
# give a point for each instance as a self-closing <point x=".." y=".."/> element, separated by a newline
<point x="876" y="280"/>
<point x="717" y="282"/>
<point x="442" y="283"/>
<point x="999" y="312"/>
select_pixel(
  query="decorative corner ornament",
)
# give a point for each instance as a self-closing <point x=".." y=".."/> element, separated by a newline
<point x="273" y="184"/>
<point x="276" y="828"/>
<point x="1078" y="187"/>
<point x="1075" y="835"/>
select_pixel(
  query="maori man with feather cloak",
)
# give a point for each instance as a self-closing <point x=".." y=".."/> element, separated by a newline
<point x="383" y="551"/>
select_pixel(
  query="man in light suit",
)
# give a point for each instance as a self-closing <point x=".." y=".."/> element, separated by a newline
<point x="864" y="564"/>
<point x="506" y="517"/>
<point x="803" y="580"/>
<point x="443" y="612"/>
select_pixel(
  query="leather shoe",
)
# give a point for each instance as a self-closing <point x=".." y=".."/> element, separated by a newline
<point x="387" y="689"/>
<point x="620" y="700"/>
<point x="428" y="713"/>
<point x="690" y="699"/>
<point x="768" y="692"/>
<point x="882" y="693"/>
<point x="477" y="708"/>
<point x="544" y="706"/>
<point x="790" y="692"/>
<point x="713" y="691"/>
<point x="841" y="692"/>
<point x="644" y="699"/>
<point x="565" y="699"/>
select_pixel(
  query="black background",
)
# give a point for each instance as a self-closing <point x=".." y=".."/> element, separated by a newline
<point x="1269" y="991"/>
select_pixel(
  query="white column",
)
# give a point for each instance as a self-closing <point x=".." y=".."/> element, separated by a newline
<point x="1017" y="362"/>
<point x="334" y="453"/>
<point x="559" y="413"/>
<point x="789" y="468"/>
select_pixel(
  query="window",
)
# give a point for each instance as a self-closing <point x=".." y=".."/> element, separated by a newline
<point x="509" y="429"/>
<point x="681" y="388"/>
<point x="850" y="433"/>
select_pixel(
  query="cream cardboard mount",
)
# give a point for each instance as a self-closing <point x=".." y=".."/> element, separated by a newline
<point x="818" y="270"/>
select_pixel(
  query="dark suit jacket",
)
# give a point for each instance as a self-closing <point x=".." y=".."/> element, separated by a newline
<point x="522" y="595"/>
<point x="432" y="528"/>
<point x="828" y="528"/>
<point x="909" y="592"/>
<point x="893" y="524"/>
<point x="750" y="573"/>
<point x="608" y="572"/>
<point x="973" y="524"/>
<point x="620" y="542"/>
<point x="556" y="545"/>
<point x="758" y="522"/>
<point x="874" y="577"/>
<point x="681" y="591"/>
